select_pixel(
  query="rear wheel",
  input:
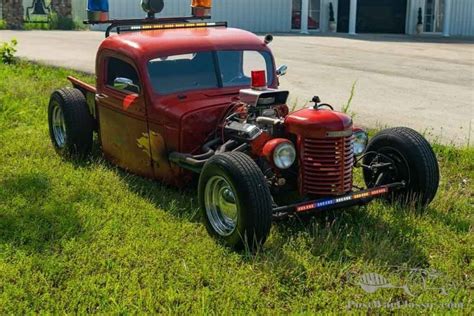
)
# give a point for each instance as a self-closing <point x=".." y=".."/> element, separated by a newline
<point x="235" y="201"/>
<point x="70" y="123"/>
<point x="402" y="154"/>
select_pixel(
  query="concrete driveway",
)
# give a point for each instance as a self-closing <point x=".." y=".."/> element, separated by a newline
<point x="424" y="83"/>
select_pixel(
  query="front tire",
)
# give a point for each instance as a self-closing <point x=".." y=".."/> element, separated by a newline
<point x="70" y="123"/>
<point x="235" y="201"/>
<point x="412" y="160"/>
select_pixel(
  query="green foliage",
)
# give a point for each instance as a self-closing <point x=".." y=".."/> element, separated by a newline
<point x="8" y="51"/>
<point x="62" y="23"/>
<point x="36" y="26"/>
<point x="346" y="108"/>
<point x="55" y="23"/>
<point x="86" y="237"/>
<point x="3" y="25"/>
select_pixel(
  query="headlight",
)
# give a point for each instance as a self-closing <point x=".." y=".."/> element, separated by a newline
<point x="284" y="155"/>
<point x="361" y="140"/>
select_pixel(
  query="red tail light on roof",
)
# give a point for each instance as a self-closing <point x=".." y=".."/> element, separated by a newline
<point x="259" y="79"/>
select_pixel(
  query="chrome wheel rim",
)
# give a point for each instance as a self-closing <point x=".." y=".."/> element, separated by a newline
<point x="59" y="126"/>
<point x="221" y="205"/>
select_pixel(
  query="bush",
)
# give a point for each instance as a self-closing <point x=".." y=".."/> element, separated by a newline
<point x="3" y="24"/>
<point x="7" y="52"/>
<point x="36" y="26"/>
<point x="61" y="23"/>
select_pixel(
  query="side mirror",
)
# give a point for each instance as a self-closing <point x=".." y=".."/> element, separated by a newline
<point x="281" y="71"/>
<point x="125" y="84"/>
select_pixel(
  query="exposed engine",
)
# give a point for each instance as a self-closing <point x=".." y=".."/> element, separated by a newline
<point x="310" y="151"/>
<point x="257" y="111"/>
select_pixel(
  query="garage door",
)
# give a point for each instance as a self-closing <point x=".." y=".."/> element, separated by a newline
<point x="374" y="16"/>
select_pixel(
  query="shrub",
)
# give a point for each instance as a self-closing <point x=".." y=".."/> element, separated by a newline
<point x="3" y="24"/>
<point x="61" y="23"/>
<point x="7" y="52"/>
<point x="36" y="26"/>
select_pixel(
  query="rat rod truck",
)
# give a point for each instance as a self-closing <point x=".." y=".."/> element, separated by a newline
<point x="176" y="100"/>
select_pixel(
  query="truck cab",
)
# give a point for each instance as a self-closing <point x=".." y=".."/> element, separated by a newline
<point x="171" y="85"/>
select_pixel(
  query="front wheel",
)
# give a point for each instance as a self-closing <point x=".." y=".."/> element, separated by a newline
<point x="403" y="155"/>
<point x="235" y="201"/>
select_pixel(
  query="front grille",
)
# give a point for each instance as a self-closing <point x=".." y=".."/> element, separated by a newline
<point x="326" y="165"/>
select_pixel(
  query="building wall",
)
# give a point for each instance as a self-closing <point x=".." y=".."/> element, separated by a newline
<point x="461" y="19"/>
<point x="253" y="15"/>
<point x="275" y="15"/>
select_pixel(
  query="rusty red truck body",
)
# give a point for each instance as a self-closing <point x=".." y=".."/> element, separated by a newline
<point x="183" y="101"/>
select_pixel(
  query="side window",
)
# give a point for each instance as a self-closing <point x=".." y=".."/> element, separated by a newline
<point x="122" y="76"/>
<point x="236" y="66"/>
<point x="253" y="61"/>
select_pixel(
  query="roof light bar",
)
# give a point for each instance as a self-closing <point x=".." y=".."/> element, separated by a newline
<point x="172" y="26"/>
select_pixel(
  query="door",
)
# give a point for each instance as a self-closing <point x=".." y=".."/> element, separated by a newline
<point x="122" y="116"/>
<point x="374" y="16"/>
<point x="434" y="16"/>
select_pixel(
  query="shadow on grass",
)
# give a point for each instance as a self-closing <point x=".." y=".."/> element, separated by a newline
<point x="342" y="236"/>
<point x="44" y="219"/>
<point x="181" y="203"/>
<point x="355" y="234"/>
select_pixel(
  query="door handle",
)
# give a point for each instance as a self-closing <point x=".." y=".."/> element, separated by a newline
<point x="101" y="96"/>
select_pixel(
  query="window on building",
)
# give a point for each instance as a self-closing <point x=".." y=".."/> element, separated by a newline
<point x="434" y="15"/>
<point x="117" y="68"/>
<point x="314" y="14"/>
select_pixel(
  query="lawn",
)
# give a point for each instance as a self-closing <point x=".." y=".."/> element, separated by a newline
<point x="87" y="237"/>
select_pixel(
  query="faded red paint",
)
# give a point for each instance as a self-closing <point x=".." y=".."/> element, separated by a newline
<point x="129" y="100"/>
<point x="317" y="123"/>
<point x="258" y="144"/>
<point x="270" y="146"/>
<point x="126" y="120"/>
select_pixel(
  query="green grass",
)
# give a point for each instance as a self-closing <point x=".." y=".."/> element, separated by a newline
<point x="87" y="237"/>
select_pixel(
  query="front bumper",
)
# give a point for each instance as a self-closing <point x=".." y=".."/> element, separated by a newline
<point x="351" y="199"/>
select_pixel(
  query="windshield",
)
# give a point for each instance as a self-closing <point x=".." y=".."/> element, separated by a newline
<point x="206" y="70"/>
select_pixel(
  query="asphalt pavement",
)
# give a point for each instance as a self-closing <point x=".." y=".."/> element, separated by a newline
<point x="426" y="83"/>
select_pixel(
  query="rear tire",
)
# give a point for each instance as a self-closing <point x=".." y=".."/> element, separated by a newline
<point x="414" y="163"/>
<point x="70" y="123"/>
<point x="235" y="201"/>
